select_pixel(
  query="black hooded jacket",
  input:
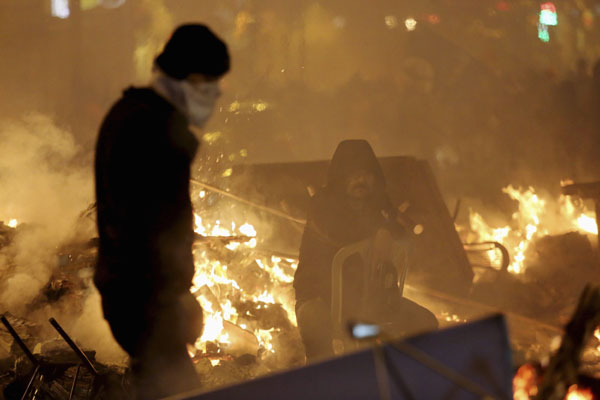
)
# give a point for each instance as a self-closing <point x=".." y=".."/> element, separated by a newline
<point x="145" y="218"/>
<point x="332" y="223"/>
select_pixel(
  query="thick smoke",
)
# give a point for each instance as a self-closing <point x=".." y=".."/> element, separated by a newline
<point x="46" y="189"/>
<point x="93" y="332"/>
<point x="45" y="192"/>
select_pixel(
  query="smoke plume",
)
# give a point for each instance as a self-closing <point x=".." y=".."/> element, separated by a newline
<point x="45" y="191"/>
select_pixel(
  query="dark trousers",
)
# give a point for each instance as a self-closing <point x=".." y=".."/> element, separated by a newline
<point x="401" y="318"/>
<point x="155" y="336"/>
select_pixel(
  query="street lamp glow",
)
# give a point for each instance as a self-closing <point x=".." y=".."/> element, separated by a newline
<point x="410" y="23"/>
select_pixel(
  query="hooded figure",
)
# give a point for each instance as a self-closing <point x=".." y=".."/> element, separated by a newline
<point x="144" y="213"/>
<point x="352" y="207"/>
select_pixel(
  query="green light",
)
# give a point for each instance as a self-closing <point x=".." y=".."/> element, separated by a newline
<point x="543" y="33"/>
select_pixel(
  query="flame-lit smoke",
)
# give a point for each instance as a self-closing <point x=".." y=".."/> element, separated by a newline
<point x="536" y="217"/>
<point x="149" y="41"/>
<point x="91" y="329"/>
<point x="43" y="192"/>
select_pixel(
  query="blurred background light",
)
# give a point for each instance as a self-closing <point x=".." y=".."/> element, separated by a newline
<point x="391" y="21"/>
<point x="543" y="33"/>
<point x="339" y="22"/>
<point x="112" y="3"/>
<point x="548" y="14"/>
<point x="433" y="19"/>
<point x="60" y="9"/>
<point x="411" y="24"/>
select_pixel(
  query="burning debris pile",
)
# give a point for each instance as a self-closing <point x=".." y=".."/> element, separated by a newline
<point x="553" y="250"/>
<point x="552" y="247"/>
<point x="246" y="293"/>
<point x="248" y="301"/>
<point x="565" y="375"/>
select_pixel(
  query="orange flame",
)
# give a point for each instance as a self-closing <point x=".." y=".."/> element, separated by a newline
<point x="525" y="383"/>
<point x="535" y="218"/>
<point x="577" y="393"/>
<point x="218" y="307"/>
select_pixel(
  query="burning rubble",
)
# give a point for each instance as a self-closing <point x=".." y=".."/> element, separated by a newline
<point x="246" y="293"/>
<point x="536" y="218"/>
<point x="248" y="300"/>
<point x="552" y="242"/>
<point x="552" y="245"/>
<point x="563" y="375"/>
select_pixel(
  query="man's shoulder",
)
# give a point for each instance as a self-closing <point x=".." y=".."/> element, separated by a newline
<point x="139" y="110"/>
<point x="141" y="101"/>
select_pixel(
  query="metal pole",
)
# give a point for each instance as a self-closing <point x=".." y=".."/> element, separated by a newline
<point x="19" y="341"/>
<point x="86" y="362"/>
<point x="270" y="210"/>
<point x="383" y="382"/>
<point x="30" y="383"/>
<point x="436" y="366"/>
<point x="470" y="303"/>
<point x="74" y="382"/>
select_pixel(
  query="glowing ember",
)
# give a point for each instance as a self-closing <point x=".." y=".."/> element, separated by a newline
<point x="451" y="317"/>
<point x="525" y="383"/>
<point x="265" y="338"/>
<point x="577" y="393"/>
<point x="597" y="336"/>
<point x="535" y="218"/>
<point x="13" y="223"/>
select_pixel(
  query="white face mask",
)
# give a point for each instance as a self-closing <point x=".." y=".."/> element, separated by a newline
<point x="200" y="100"/>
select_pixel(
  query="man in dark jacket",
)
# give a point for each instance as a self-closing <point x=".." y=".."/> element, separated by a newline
<point x="352" y="207"/>
<point x="145" y="218"/>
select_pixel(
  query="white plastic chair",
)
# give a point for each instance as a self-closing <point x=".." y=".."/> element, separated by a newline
<point x="399" y="259"/>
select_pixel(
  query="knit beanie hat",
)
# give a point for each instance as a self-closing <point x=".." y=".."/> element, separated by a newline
<point x="193" y="48"/>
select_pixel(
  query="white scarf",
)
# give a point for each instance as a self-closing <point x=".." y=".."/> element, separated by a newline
<point x="196" y="102"/>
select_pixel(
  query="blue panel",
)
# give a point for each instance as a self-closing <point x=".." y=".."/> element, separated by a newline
<point x="479" y="351"/>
